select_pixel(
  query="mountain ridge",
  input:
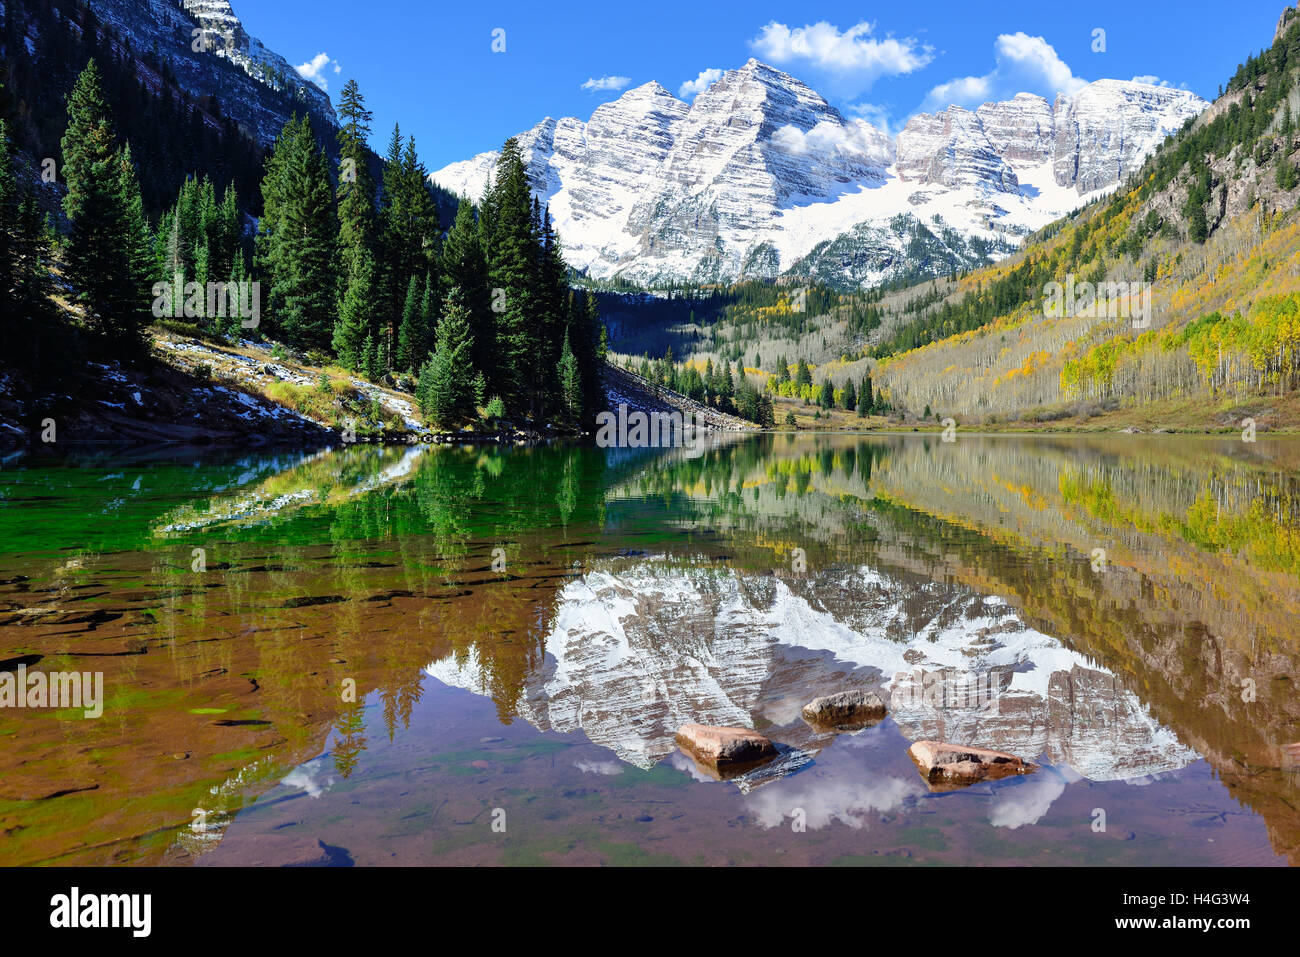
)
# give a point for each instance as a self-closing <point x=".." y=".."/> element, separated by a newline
<point x="760" y="175"/>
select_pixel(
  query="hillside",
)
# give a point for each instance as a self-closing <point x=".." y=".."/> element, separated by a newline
<point x="1209" y="221"/>
<point x="213" y="111"/>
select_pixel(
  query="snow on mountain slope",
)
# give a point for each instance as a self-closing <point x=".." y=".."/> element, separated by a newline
<point x="761" y="177"/>
<point x="1104" y="132"/>
<point x="632" y="653"/>
<point x="192" y="35"/>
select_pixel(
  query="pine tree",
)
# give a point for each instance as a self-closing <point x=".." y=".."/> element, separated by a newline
<point x="570" y="382"/>
<point x="411" y="337"/>
<point x="464" y="267"/>
<point x="24" y="268"/>
<point x="352" y="331"/>
<point x="747" y="399"/>
<point x="356" y="187"/>
<point x="826" y="399"/>
<point x="513" y="268"/>
<point x="369" y="356"/>
<point x="802" y="376"/>
<point x="447" y="380"/>
<point x="101" y="204"/>
<point x="556" y="314"/>
<point x="138" y="242"/>
<point x="409" y="228"/>
<point x="850" y="399"/>
<point x="298" y="237"/>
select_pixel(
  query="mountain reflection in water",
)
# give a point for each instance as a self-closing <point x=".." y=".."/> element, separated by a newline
<point x="1120" y="610"/>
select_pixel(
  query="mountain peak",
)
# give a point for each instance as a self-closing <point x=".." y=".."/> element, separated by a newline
<point x="758" y="169"/>
<point x="654" y="90"/>
<point x="765" y="72"/>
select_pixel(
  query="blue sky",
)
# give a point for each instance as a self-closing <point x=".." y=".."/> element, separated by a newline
<point x="431" y="66"/>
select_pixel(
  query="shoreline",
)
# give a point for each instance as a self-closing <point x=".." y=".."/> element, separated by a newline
<point x="172" y="449"/>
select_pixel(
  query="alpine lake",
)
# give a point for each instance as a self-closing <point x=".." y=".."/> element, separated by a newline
<point x="481" y="655"/>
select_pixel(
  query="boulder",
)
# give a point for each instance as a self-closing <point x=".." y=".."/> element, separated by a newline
<point x="847" y="710"/>
<point x="725" y="749"/>
<point x="945" y="766"/>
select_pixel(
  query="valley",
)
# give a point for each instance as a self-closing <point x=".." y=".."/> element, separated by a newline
<point x="648" y="438"/>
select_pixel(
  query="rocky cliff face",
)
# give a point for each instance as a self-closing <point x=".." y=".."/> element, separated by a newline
<point x="206" y="46"/>
<point x="953" y="149"/>
<point x="1105" y="131"/>
<point x="760" y="176"/>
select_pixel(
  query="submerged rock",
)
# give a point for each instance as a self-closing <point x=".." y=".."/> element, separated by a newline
<point x="727" y="751"/>
<point x="847" y="710"/>
<point x="945" y="766"/>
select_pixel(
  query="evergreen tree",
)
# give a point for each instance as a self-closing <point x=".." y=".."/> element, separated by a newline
<point x="409" y="228"/>
<point x="850" y="399"/>
<point x="447" y="380"/>
<point x="25" y="331"/>
<point x="802" y="376"/>
<point x="464" y="267"/>
<point x="369" y="356"/>
<point x="411" y="337"/>
<point x="570" y="381"/>
<point x="747" y="404"/>
<point x="352" y="331"/>
<point x="102" y="205"/>
<point x="556" y="315"/>
<point x="137" y="242"/>
<point x="298" y="236"/>
<point x="826" y="399"/>
<point x="356" y="187"/>
<point x="513" y="268"/>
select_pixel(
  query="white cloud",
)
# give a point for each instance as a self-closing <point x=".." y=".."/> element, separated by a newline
<point x="852" y="60"/>
<point x="306" y="777"/>
<point x="314" y="69"/>
<point x="1151" y="79"/>
<point x="839" y="787"/>
<point x="599" y="767"/>
<point x="692" y="88"/>
<point x="1025" y="802"/>
<point x="875" y="114"/>
<point x="1023" y="64"/>
<point x="607" y="83"/>
<point x="855" y="138"/>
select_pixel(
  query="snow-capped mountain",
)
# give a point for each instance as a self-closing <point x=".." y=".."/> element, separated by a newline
<point x="632" y="653"/>
<point x="761" y="177"/>
<point x="194" y="36"/>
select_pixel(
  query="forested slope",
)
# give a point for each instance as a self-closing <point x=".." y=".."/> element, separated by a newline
<point x="1210" y="222"/>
